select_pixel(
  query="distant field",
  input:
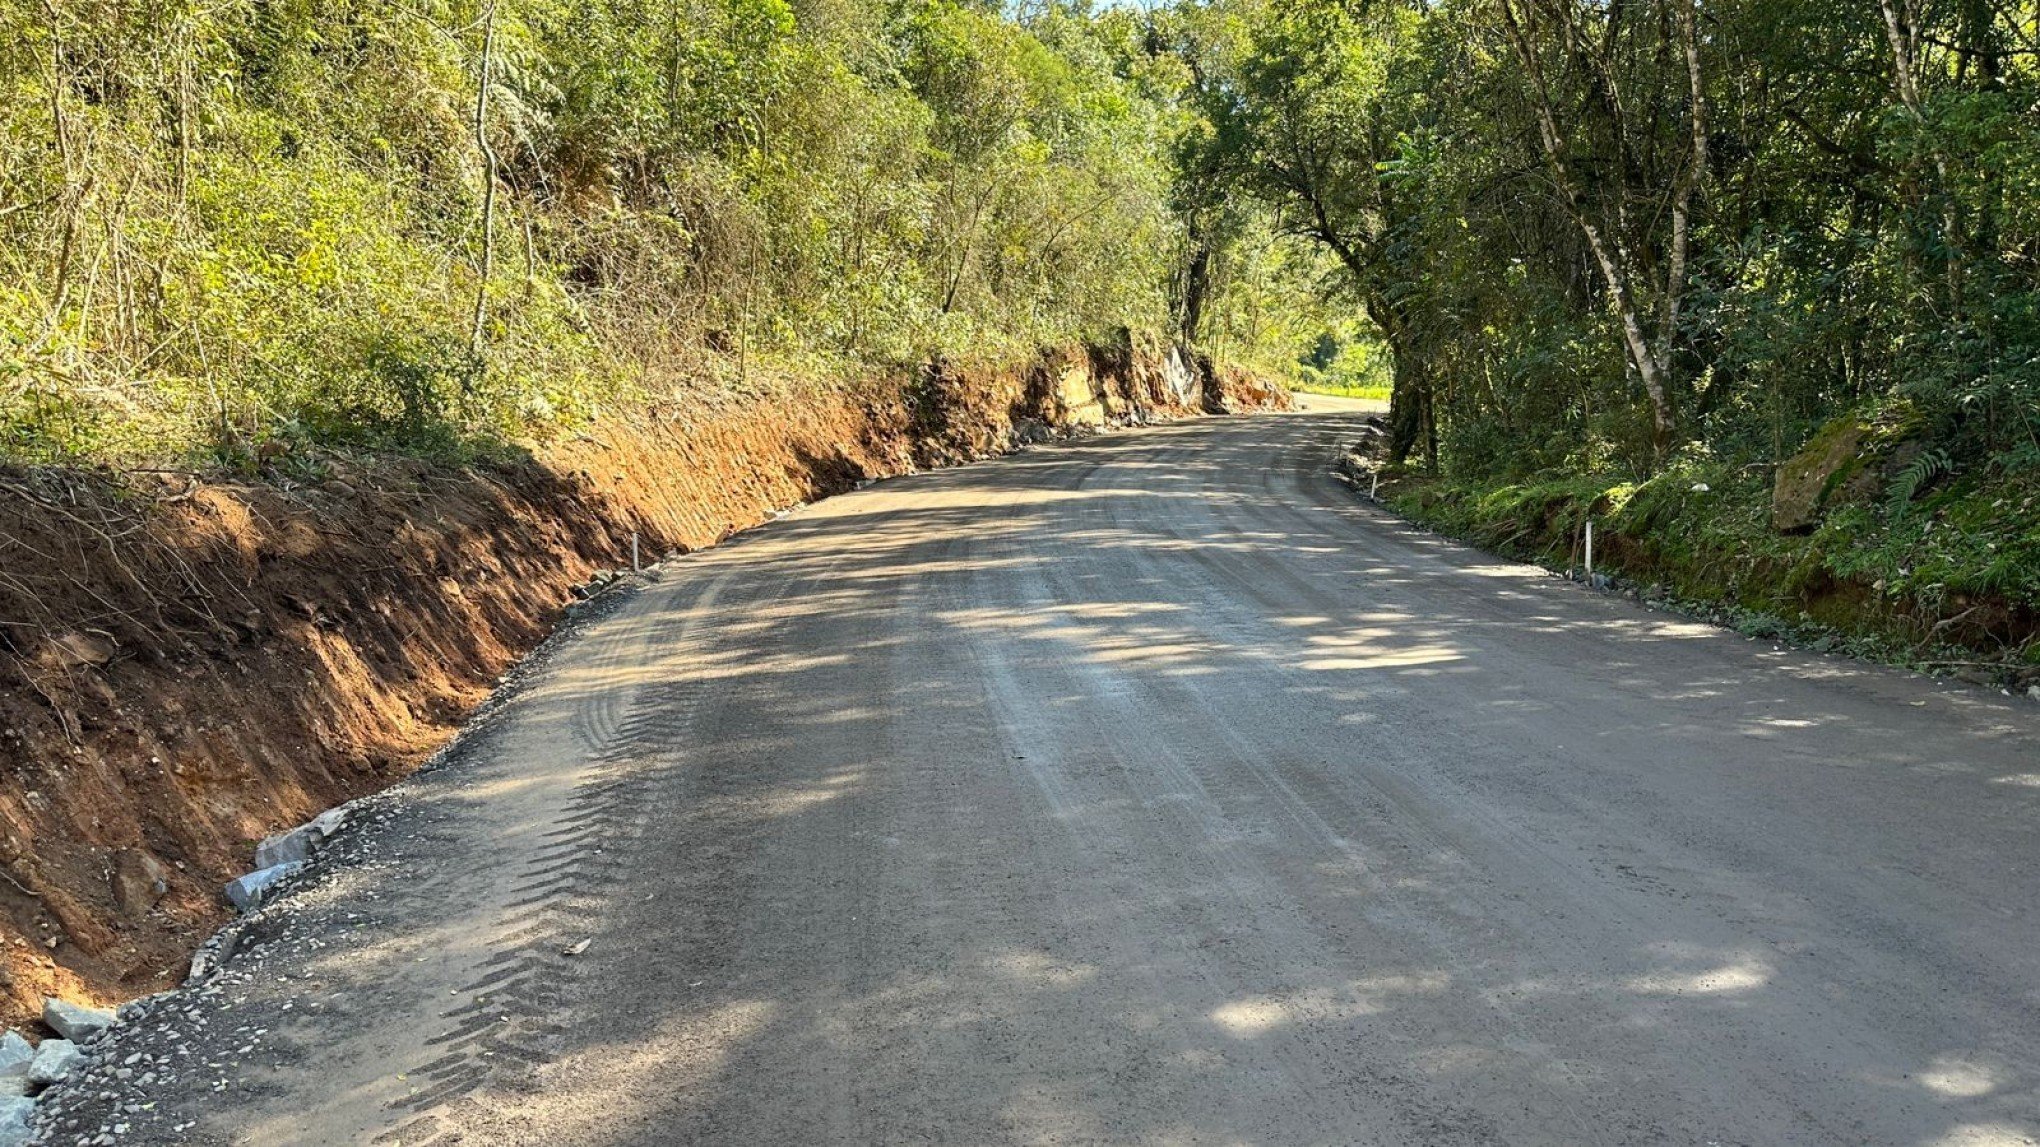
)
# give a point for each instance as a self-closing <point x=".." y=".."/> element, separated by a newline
<point x="1376" y="391"/>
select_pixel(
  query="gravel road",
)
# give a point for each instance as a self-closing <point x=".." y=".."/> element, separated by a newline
<point x="1149" y="789"/>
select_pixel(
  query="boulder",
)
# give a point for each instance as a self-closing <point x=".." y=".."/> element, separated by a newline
<point x="297" y="845"/>
<point x="248" y="891"/>
<point x="75" y="1022"/>
<point x="1848" y="462"/>
<point x="54" y="1060"/>
<point x="15" y="1055"/>
<point x="139" y="881"/>
<point x="1809" y="480"/>
<point x="78" y="651"/>
<point x="17" y="1121"/>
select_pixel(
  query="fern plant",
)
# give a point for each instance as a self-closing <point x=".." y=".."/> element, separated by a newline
<point x="1929" y="464"/>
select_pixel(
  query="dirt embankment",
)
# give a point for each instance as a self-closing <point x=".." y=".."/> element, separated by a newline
<point x="189" y="663"/>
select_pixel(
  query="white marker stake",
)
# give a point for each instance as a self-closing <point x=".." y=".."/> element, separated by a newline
<point x="1590" y="549"/>
<point x="634" y="567"/>
<point x="1374" y="491"/>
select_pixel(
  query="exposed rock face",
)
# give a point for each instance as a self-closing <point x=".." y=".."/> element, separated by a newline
<point x="1182" y="375"/>
<point x="1231" y="390"/>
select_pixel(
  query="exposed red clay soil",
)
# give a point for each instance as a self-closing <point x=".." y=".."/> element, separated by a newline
<point x="188" y="664"/>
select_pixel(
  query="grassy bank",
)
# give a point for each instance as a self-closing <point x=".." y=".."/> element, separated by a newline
<point x="1377" y="392"/>
<point x="1949" y="582"/>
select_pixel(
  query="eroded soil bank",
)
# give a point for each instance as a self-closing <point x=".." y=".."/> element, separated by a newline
<point x="189" y="663"/>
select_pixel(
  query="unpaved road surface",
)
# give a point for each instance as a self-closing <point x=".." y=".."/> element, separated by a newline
<point x="1151" y="789"/>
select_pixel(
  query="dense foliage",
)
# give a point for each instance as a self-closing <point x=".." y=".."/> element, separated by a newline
<point x="1618" y="234"/>
<point x="230" y="226"/>
<point x="1613" y="239"/>
<point x="1756" y="283"/>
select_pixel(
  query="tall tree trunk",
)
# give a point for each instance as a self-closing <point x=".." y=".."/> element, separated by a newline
<point x="1650" y="363"/>
<point x="1689" y="184"/>
<point x="1412" y="422"/>
<point x="1903" y="36"/>
<point x="1196" y="286"/>
<point x="488" y="268"/>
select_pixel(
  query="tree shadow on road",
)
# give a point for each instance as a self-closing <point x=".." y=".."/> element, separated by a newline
<point x="1150" y="793"/>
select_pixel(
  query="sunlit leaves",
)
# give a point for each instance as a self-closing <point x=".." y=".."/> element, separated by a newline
<point x="259" y="221"/>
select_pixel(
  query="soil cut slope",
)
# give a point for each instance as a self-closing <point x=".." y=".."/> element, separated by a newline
<point x="189" y="663"/>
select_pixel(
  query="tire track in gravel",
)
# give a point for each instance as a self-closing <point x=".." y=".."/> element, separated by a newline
<point x="696" y="682"/>
<point x="509" y="1016"/>
<point x="515" y="1015"/>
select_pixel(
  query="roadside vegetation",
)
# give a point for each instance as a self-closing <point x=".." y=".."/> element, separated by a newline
<point x="1946" y="588"/>
<point x="229" y="231"/>
<point x="1600" y="257"/>
<point x="1754" y="283"/>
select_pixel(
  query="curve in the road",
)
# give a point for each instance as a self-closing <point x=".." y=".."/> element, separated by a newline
<point x="1155" y="789"/>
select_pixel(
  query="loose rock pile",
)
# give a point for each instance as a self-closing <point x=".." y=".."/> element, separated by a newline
<point x="26" y="1070"/>
<point x="282" y="856"/>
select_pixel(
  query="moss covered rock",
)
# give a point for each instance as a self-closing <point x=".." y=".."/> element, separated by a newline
<point x="1831" y="468"/>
